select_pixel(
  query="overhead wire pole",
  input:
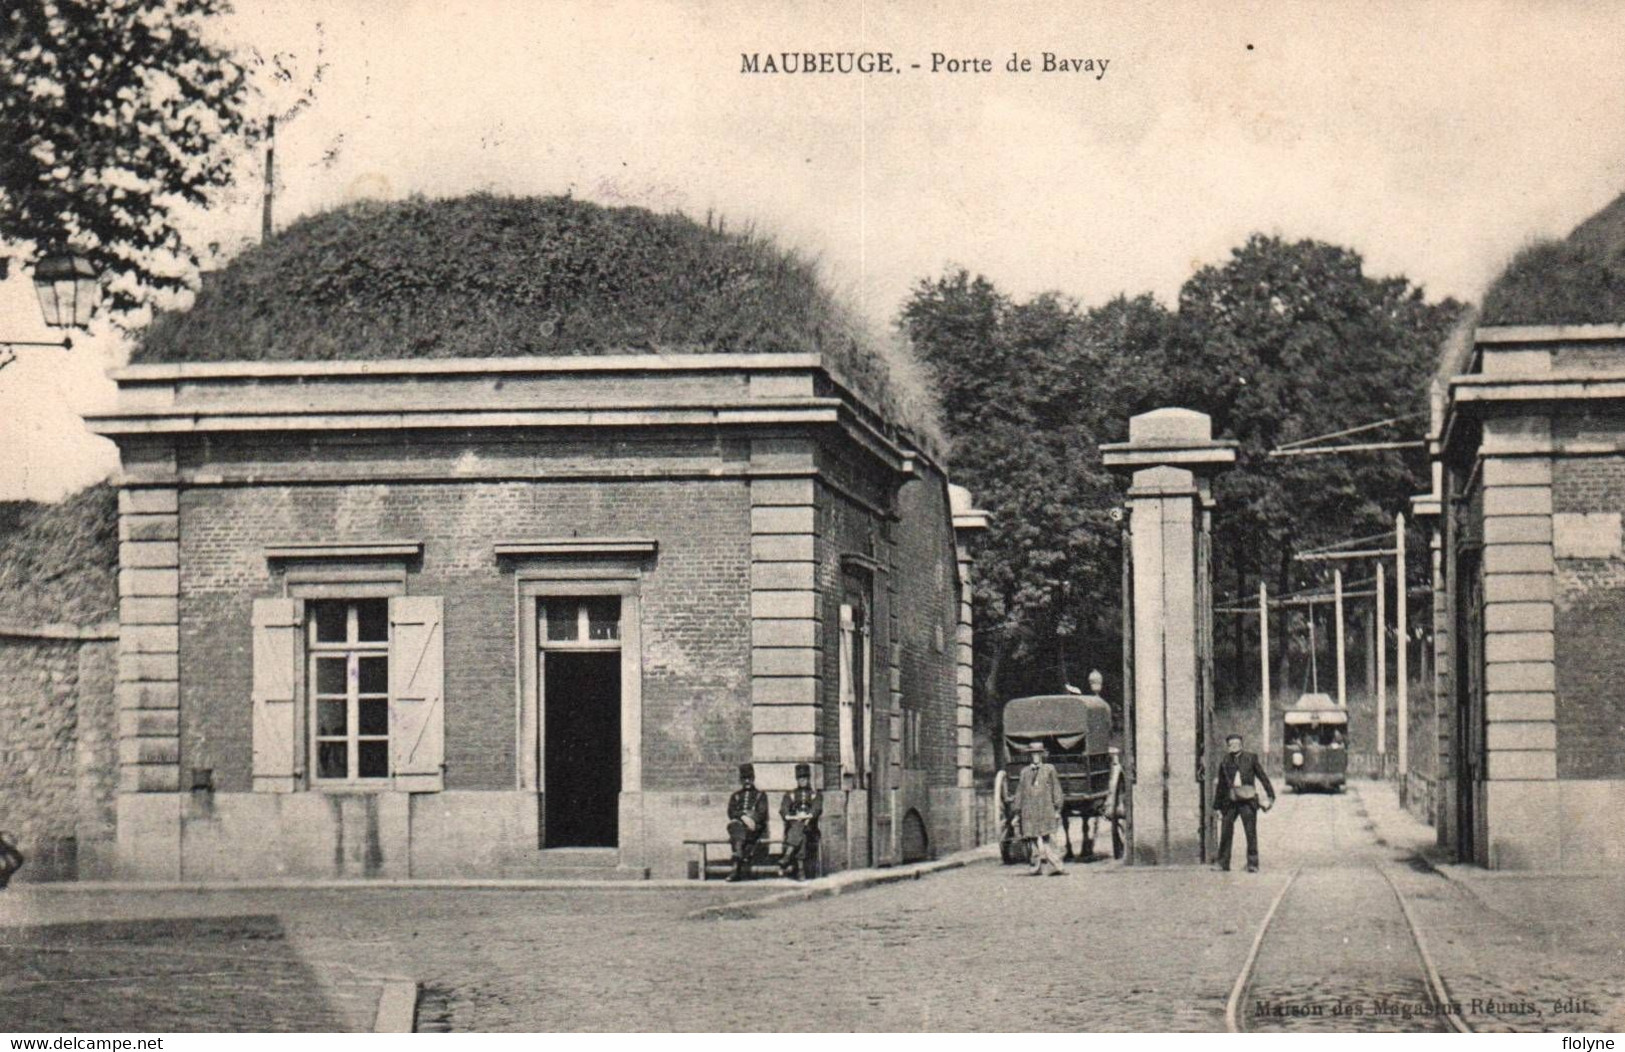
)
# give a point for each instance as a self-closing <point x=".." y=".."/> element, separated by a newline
<point x="1264" y="662"/>
<point x="1382" y="673"/>
<point x="1342" y="686"/>
<point x="1402" y="663"/>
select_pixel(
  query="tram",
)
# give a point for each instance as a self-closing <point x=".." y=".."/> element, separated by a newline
<point x="1314" y="744"/>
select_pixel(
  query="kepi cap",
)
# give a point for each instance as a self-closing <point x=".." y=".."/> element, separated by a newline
<point x="803" y="770"/>
<point x="747" y="770"/>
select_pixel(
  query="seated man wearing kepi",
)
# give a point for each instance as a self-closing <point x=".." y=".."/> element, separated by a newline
<point x="747" y="821"/>
<point x="801" y="808"/>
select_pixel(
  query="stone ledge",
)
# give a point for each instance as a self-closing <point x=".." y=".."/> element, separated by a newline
<point x="105" y="630"/>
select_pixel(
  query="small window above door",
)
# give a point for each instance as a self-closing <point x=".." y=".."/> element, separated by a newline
<point x="583" y="620"/>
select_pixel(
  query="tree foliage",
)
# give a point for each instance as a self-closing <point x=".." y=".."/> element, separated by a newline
<point x="1288" y="341"/>
<point x="1030" y="391"/>
<point x="1284" y="341"/>
<point x="115" y="115"/>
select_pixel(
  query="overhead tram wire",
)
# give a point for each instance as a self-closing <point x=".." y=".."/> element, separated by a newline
<point x="1305" y="447"/>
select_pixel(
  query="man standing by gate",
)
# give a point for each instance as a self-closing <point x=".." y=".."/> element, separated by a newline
<point x="1237" y="794"/>
<point x="1038" y="799"/>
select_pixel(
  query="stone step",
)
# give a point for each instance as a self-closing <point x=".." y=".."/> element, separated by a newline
<point x="574" y="863"/>
<point x="557" y="872"/>
<point x="578" y="857"/>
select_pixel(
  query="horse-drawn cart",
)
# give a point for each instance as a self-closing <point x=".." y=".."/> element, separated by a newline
<point x="1075" y="731"/>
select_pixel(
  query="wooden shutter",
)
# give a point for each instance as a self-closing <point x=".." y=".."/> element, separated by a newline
<point x="849" y="758"/>
<point x="417" y="690"/>
<point x="278" y="638"/>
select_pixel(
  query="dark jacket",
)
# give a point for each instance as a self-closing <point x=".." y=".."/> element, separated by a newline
<point x="751" y="802"/>
<point x="809" y="802"/>
<point x="1251" y="771"/>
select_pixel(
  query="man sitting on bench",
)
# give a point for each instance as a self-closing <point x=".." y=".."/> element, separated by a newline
<point x="801" y="808"/>
<point x="747" y="821"/>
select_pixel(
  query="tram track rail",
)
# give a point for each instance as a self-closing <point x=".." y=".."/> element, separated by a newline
<point x="1235" y="1010"/>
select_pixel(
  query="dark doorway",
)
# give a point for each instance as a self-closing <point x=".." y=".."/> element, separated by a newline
<point x="582" y="752"/>
<point x="1468" y="740"/>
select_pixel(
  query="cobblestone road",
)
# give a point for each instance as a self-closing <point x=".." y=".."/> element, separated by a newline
<point x="981" y="948"/>
<point x="1339" y="954"/>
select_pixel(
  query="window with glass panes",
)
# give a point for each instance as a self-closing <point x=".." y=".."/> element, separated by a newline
<point x="349" y="688"/>
<point x="587" y="620"/>
<point x="911" y="738"/>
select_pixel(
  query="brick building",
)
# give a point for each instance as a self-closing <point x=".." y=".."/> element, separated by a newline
<point x="523" y="614"/>
<point x="1529" y="490"/>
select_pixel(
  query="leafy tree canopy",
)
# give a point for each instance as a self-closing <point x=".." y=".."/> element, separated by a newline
<point x="1284" y="341"/>
<point x="1030" y="391"/>
<point x="114" y="115"/>
<point x="1287" y="341"/>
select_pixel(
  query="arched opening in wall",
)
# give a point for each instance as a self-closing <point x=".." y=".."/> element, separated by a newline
<point x="916" y="846"/>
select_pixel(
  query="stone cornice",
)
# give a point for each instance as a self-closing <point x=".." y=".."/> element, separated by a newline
<point x="196" y="421"/>
<point x="1546" y="334"/>
<point x="753" y="391"/>
<point x="385" y="549"/>
<point x="606" y="363"/>
<point x="566" y="546"/>
<point x="1133" y="456"/>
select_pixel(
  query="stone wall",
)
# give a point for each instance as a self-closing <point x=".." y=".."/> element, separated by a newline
<point x="58" y="756"/>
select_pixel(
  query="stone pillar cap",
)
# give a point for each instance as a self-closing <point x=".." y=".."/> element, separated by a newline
<point x="1170" y="436"/>
<point x="966" y="515"/>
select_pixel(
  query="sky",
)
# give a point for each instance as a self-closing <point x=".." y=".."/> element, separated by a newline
<point x="1436" y="137"/>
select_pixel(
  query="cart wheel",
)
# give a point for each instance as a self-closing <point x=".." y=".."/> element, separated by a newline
<point x="1118" y="846"/>
<point x="1009" y="847"/>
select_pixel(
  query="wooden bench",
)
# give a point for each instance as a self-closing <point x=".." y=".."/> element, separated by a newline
<point x="716" y="860"/>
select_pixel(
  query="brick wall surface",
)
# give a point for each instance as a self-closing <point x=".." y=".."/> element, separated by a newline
<point x="1589" y="484"/>
<point x="1590" y="636"/>
<point x="927" y="594"/>
<point x="58" y="754"/>
<point x="696" y="632"/>
<point x="850" y="528"/>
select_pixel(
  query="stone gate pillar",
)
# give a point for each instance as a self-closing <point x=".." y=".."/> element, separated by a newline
<point x="1170" y="457"/>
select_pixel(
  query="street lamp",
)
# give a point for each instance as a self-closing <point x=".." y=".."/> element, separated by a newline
<point x="68" y="290"/>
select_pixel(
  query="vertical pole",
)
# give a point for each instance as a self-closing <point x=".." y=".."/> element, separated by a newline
<point x="1382" y="670"/>
<point x="270" y="178"/>
<point x="1264" y="665"/>
<point x="1402" y="657"/>
<point x="1342" y="683"/>
<point x="1207" y="695"/>
<point x="1129" y="761"/>
<point x="1314" y="648"/>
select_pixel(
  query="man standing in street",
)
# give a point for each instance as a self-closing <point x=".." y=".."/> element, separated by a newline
<point x="801" y="808"/>
<point x="747" y="821"/>
<point x="1236" y="793"/>
<point x="1038" y="799"/>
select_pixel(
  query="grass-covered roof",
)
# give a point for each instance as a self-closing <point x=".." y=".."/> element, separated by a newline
<point x="59" y="562"/>
<point x="490" y="276"/>
<point x="1579" y="280"/>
